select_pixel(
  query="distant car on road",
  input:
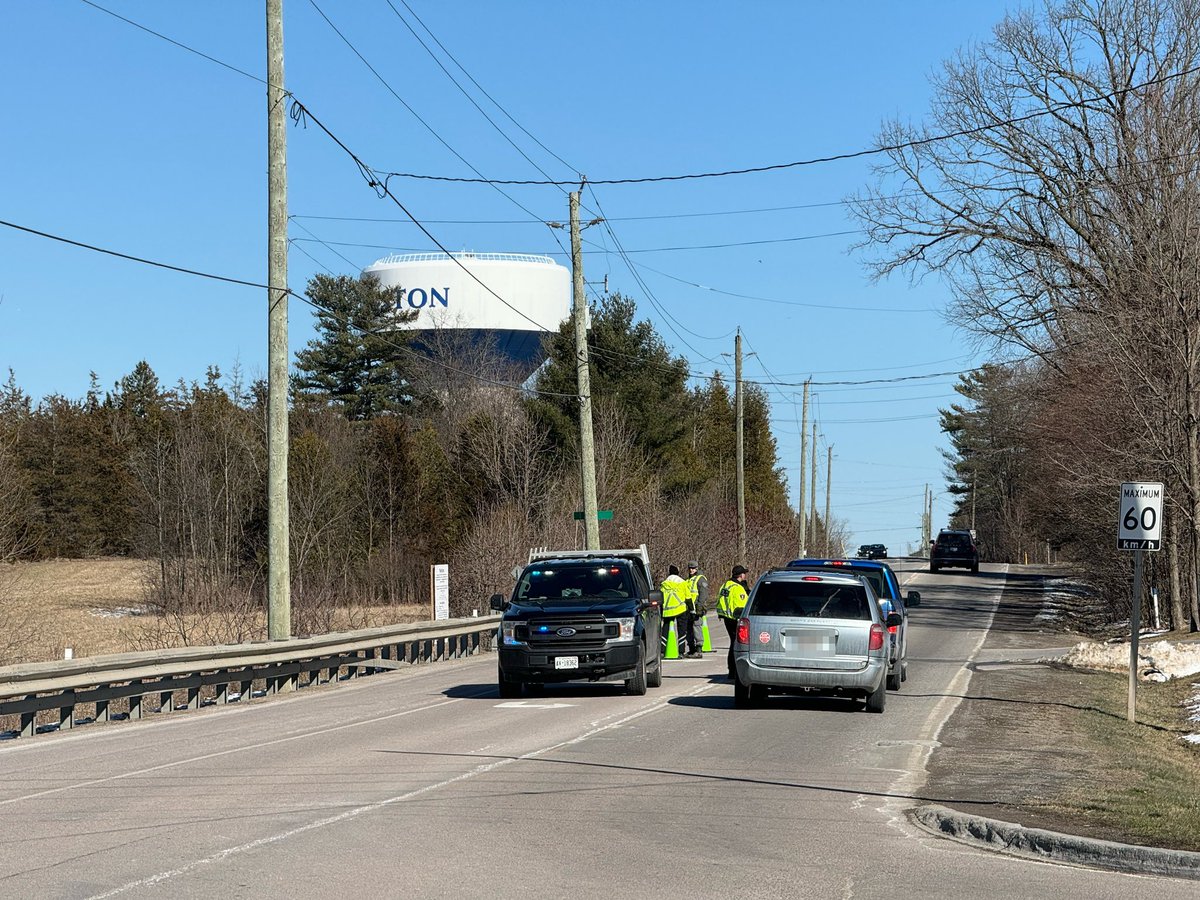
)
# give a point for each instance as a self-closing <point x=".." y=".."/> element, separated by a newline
<point x="886" y="586"/>
<point x="872" y="551"/>
<point x="806" y="631"/>
<point x="954" y="547"/>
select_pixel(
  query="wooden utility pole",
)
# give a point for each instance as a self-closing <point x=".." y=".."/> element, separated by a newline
<point x="812" y="486"/>
<point x="974" y="486"/>
<point x="587" y="445"/>
<point x="803" y="466"/>
<point x="828" y="486"/>
<point x="279" y="596"/>
<point x="741" y="458"/>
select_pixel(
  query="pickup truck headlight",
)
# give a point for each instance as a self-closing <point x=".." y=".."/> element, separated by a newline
<point x="626" y="626"/>
<point x="508" y="635"/>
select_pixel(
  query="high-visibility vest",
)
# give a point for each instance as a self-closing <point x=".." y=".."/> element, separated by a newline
<point x="674" y="597"/>
<point x="732" y="600"/>
<point x="694" y="589"/>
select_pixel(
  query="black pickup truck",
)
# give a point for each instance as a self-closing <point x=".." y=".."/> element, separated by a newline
<point x="581" y="615"/>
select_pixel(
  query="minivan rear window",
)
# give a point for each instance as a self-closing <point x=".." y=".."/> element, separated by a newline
<point x="873" y="574"/>
<point x="811" y="599"/>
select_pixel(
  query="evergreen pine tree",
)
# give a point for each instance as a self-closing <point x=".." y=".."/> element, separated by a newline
<point x="357" y="362"/>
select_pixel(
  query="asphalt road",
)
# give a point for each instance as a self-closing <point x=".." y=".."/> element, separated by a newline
<point x="426" y="784"/>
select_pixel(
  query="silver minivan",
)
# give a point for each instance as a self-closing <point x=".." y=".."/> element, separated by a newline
<point x="821" y="632"/>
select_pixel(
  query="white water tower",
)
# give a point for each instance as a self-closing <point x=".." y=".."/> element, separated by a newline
<point x="507" y="301"/>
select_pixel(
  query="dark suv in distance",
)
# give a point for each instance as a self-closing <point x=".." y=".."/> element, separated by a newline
<point x="954" y="548"/>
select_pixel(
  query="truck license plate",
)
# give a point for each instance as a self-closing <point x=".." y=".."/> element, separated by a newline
<point x="566" y="662"/>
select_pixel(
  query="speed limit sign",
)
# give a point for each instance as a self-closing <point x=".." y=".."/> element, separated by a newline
<point x="1140" y="516"/>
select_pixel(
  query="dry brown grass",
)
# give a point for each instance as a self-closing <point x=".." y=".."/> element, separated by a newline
<point x="88" y="605"/>
<point x="60" y="603"/>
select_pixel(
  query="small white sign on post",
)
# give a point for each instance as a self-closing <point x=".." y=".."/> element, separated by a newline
<point x="1139" y="517"/>
<point x="439" y="589"/>
<point x="1139" y="527"/>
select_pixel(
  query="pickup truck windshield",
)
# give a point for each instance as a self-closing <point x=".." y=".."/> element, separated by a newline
<point x="573" y="581"/>
<point x="810" y="599"/>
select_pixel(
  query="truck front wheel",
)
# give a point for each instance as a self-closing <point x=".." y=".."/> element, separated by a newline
<point x="637" y="684"/>
<point x="508" y="689"/>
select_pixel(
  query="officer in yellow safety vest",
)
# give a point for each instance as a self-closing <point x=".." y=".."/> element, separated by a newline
<point x="697" y="607"/>
<point x="674" y="591"/>
<point x="730" y="603"/>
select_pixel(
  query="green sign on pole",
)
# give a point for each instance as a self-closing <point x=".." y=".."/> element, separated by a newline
<point x="602" y="515"/>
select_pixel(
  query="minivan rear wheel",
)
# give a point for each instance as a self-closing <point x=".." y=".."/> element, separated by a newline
<point x="877" y="699"/>
<point x="741" y="694"/>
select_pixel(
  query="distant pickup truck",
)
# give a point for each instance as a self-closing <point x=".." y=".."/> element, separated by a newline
<point x="579" y="615"/>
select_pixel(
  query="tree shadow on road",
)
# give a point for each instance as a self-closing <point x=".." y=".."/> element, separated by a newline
<point x="725" y="777"/>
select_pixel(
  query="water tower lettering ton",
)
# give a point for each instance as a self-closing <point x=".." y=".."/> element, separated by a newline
<point x="444" y="296"/>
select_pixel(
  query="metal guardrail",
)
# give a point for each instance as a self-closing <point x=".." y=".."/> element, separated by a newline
<point x="225" y="673"/>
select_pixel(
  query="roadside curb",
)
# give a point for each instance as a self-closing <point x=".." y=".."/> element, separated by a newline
<point x="1037" y="843"/>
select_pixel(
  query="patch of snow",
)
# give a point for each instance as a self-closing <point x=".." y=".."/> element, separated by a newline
<point x="1169" y="659"/>
<point x="118" y="612"/>
<point x="1193" y="738"/>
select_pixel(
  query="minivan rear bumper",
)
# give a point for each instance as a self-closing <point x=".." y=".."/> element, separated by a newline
<point x="864" y="680"/>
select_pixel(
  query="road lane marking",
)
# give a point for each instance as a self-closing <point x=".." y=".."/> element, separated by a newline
<point x="525" y="704"/>
<point x="241" y="749"/>
<point x="483" y="769"/>
<point x="915" y="774"/>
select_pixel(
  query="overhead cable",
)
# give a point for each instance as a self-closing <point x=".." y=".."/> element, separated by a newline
<point x="1052" y="109"/>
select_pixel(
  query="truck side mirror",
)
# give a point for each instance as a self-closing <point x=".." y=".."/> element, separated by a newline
<point x="913" y="598"/>
<point x="656" y="599"/>
<point x="497" y="602"/>
<point x="894" y="620"/>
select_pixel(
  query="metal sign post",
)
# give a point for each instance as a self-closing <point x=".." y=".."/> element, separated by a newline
<point x="1139" y="528"/>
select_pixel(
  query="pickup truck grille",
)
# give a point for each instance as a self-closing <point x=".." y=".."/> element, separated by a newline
<point x="582" y="633"/>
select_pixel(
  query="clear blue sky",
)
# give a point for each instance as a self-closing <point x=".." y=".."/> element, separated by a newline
<point x="117" y="138"/>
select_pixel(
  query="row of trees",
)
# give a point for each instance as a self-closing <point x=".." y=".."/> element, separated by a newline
<point x="1056" y="189"/>
<point x="400" y="457"/>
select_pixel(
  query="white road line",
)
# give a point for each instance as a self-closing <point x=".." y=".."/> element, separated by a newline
<point x="400" y="798"/>
<point x="915" y="774"/>
<point x="241" y="749"/>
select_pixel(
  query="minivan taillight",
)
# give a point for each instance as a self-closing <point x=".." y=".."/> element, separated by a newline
<point x="743" y="631"/>
<point x="876" y="637"/>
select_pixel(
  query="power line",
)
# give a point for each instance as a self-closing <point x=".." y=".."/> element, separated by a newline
<point x="456" y="83"/>
<point x="414" y="113"/>
<point x="181" y="46"/>
<point x="302" y="298"/>
<point x="301" y="113"/>
<point x="704" y="287"/>
<point x="758" y="243"/>
<point x="854" y="154"/>
<point x="328" y="246"/>
<point x="494" y="101"/>
<point x="646" y="288"/>
<point x="139" y="259"/>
